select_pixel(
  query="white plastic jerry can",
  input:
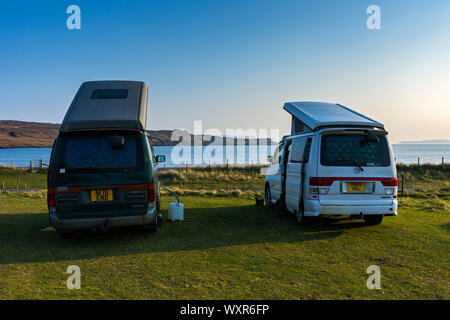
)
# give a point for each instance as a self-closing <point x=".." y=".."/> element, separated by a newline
<point x="176" y="211"/>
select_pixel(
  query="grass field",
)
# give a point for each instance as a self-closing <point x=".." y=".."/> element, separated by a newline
<point x="228" y="248"/>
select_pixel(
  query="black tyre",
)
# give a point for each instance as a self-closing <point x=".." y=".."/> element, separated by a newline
<point x="268" y="196"/>
<point x="159" y="217"/>
<point x="152" y="227"/>
<point x="373" y="219"/>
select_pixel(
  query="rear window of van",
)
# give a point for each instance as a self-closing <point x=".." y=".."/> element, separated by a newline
<point x="354" y="150"/>
<point x="91" y="153"/>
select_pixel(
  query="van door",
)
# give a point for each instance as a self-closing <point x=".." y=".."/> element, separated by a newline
<point x="355" y="168"/>
<point x="295" y="172"/>
<point x="101" y="175"/>
<point x="275" y="173"/>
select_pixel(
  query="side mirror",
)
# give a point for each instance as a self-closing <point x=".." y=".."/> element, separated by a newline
<point x="160" y="158"/>
<point x="269" y="159"/>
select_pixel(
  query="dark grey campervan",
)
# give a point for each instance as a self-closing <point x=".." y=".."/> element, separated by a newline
<point x="101" y="171"/>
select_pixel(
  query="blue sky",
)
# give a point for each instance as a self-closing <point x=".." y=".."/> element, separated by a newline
<point x="233" y="63"/>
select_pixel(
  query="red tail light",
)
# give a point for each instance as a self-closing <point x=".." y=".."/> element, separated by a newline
<point x="51" y="197"/>
<point x="326" y="182"/>
<point x="321" y="182"/>
<point x="151" y="193"/>
<point x="389" y="182"/>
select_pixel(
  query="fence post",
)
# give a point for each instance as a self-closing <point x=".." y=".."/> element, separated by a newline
<point x="3" y="184"/>
<point x="443" y="161"/>
<point x="403" y="183"/>
<point x="41" y="164"/>
<point x="31" y="165"/>
<point x="181" y="184"/>
<point x="12" y="164"/>
<point x="18" y="182"/>
<point x="418" y="161"/>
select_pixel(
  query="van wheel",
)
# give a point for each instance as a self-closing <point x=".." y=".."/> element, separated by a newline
<point x="373" y="219"/>
<point x="152" y="227"/>
<point x="159" y="217"/>
<point x="268" y="197"/>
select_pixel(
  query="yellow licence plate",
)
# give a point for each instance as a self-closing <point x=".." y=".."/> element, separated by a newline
<point x="101" y="195"/>
<point x="356" y="187"/>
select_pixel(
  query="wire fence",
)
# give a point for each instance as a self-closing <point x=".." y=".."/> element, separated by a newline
<point x="31" y="165"/>
<point x="39" y="164"/>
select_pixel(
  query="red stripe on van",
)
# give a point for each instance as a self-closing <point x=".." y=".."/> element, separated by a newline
<point x="126" y="187"/>
<point x="327" y="181"/>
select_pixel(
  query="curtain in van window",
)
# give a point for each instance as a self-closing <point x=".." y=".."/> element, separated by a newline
<point x="343" y="149"/>
<point x="298" y="149"/>
<point x="96" y="152"/>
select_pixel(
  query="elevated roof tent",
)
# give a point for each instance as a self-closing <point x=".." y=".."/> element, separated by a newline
<point x="108" y="105"/>
<point x="311" y="116"/>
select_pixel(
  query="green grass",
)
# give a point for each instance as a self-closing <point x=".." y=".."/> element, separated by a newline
<point x="11" y="177"/>
<point x="228" y="248"/>
<point x="214" y="177"/>
<point x="425" y="177"/>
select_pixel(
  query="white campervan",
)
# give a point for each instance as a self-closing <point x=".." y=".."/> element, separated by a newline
<point x="335" y="162"/>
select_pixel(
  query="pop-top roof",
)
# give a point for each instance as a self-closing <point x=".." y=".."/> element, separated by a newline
<point x="108" y="105"/>
<point x="322" y="114"/>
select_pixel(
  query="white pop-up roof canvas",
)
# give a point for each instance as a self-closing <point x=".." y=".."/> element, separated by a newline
<point x="108" y="105"/>
<point x="310" y="116"/>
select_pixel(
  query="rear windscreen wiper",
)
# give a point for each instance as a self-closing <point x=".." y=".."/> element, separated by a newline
<point x="358" y="165"/>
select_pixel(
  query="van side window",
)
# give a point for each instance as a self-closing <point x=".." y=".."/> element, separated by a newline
<point x="278" y="152"/>
<point x="307" y="150"/>
<point x="300" y="150"/>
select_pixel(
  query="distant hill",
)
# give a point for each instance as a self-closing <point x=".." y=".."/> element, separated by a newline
<point x="21" y="134"/>
<point x="435" y="141"/>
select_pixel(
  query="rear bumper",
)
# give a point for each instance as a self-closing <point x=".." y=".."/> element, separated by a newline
<point x="108" y="222"/>
<point x="313" y="209"/>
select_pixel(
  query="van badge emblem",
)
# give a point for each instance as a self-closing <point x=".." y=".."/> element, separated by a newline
<point x="357" y="170"/>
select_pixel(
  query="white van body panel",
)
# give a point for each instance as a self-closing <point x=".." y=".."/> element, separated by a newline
<point x="273" y="177"/>
<point x="374" y="200"/>
<point x="294" y="179"/>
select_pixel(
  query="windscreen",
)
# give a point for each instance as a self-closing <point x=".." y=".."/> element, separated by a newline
<point x="84" y="153"/>
<point x="354" y="149"/>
